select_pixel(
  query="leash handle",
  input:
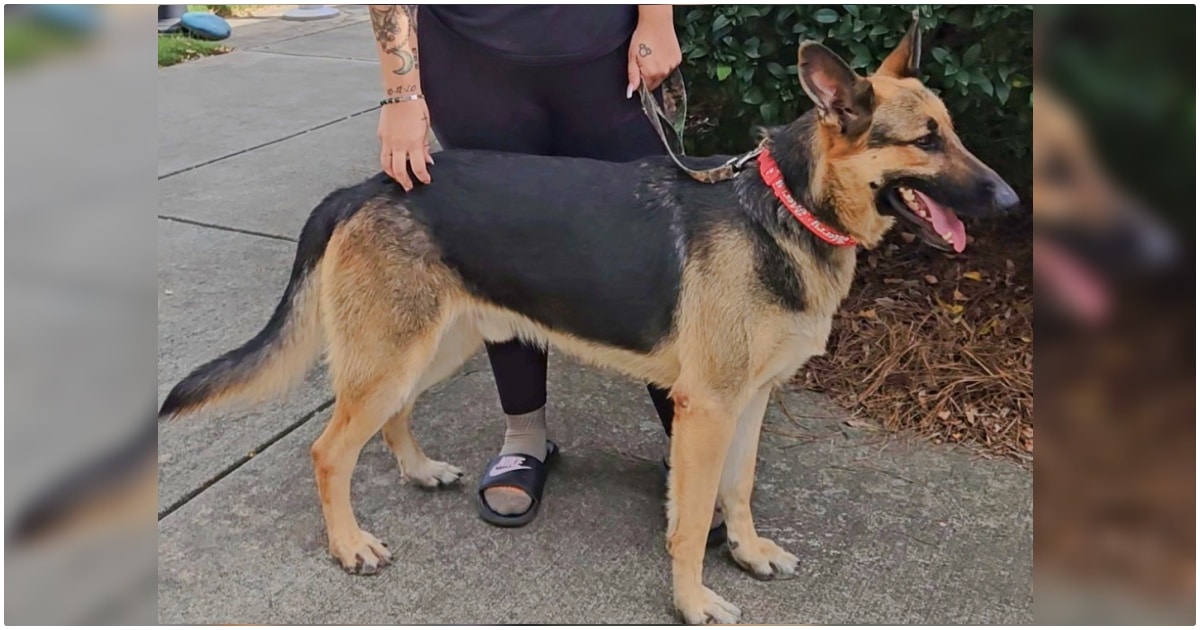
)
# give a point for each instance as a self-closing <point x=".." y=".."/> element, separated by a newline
<point x="674" y="112"/>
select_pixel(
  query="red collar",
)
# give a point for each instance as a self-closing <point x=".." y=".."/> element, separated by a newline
<point x="774" y="178"/>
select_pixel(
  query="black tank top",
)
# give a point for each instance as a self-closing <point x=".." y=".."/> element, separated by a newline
<point x="538" y="33"/>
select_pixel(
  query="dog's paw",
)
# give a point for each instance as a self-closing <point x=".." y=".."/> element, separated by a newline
<point x="705" y="607"/>
<point x="763" y="559"/>
<point x="434" y="474"/>
<point x="360" y="553"/>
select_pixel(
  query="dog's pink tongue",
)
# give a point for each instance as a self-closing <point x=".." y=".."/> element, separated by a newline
<point x="944" y="221"/>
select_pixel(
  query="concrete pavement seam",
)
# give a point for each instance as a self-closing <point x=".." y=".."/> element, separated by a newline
<point x="293" y="54"/>
<point x="266" y="144"/>
<point x="324" y="30"/>
<point x="226" y="228"/>
<point x="242" y="460"/>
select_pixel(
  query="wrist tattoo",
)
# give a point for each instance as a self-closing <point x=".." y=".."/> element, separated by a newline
<point x="644" y="50"/>
<point x="402" y="90"/>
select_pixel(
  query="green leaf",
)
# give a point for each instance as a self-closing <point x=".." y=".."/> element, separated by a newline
<point x="984" y="84"/>
<point x="826" y="16"/>
<point x="852" y="9"/>
<point x="960" y="16"/>
<point x="1002" y="91"/>
<point x="769" y="112"/>
<point x="753" y="96"/>
<point x="971" y="55"/>
<point x="719" y="23"/>
<point x="723" y="72"/>
<point x="940" y="54"/>
<point x="776" y="69"/>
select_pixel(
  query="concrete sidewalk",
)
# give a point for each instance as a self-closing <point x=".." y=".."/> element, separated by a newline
<point x="889" y="530"/>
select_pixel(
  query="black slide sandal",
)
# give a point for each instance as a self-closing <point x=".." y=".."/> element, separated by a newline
<point x="520" y="471"/>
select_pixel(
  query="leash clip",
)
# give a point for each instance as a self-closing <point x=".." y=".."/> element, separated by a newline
<point x="675" y="104"/>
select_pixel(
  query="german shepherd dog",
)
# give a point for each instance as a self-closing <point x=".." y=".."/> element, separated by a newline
<point x="715" y="291"/>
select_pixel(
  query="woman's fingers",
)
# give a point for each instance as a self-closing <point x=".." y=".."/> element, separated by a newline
<point x="385" y="160"/>
<point x="416" y="160"/>
<point x="634" y="73"/>
<point x="399" y="170"/>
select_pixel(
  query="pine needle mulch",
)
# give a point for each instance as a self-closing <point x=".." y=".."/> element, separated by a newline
<point x="940" y="344"/>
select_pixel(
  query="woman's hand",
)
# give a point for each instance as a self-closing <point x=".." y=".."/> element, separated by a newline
<point x="654" y="49"/>
<point x="404" y="141"/>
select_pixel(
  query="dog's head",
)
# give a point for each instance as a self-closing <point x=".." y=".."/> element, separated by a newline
<point x="1090" y="236"/>
<point x="885" y="149"/>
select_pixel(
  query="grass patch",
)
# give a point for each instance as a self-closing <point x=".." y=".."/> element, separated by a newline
<point x="173" y="49"/>
<point x="27" y="42"/>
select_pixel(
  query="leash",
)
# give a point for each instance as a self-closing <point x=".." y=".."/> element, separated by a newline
<point x="673" y="111"/>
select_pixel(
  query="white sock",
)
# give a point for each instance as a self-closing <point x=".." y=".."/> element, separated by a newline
<point x="526" y="435"/>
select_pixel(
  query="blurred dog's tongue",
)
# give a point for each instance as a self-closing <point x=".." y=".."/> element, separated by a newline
<point x="944" y="221"/>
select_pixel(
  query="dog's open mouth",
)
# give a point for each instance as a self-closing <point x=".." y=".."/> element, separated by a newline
<point x="938" y="224"/>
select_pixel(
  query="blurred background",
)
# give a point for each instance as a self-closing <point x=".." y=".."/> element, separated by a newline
<point x="80" y="252"/>
<point x="1114" y="210"/>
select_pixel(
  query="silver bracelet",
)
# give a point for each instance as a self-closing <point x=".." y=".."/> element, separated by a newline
<point x="401" y="99"/>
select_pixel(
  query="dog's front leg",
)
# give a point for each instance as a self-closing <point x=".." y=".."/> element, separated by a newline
<point x="702" y="430"/>
<point x="761" y="557"/>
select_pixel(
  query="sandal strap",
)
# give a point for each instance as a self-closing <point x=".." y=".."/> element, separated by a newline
<point x="518" y="470"/>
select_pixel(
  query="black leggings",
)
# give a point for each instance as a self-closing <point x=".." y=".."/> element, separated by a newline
<point x="478" y="100"/>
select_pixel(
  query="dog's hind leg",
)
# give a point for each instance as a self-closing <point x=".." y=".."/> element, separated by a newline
<point x="761" y="557"/>
<point x="363" y="407"/>
<point x="457" y="345"/>
<point x="356" y="417"/>
<point x="384" y="309"/>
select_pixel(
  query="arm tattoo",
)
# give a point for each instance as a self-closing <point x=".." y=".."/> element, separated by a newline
<point x="402" y="90"/>
<point x="643" y="50"/>
<point x="394" y="27"/>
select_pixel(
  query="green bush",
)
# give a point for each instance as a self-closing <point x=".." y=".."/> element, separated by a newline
<point x="740" y="68"/>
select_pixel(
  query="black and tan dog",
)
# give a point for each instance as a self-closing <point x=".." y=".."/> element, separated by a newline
<point x="718" y="291"/>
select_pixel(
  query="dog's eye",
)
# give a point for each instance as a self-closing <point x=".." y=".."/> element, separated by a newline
<point x="929" y="142"/>
<point x="1056" y="169"/>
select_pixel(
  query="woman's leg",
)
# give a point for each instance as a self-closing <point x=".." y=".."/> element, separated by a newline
<point x="477" y="101"/>
<point x="592" y="118"/>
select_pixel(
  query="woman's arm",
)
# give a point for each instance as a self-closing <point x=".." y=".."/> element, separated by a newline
<point x="396" y="34"/>
<point x="403" y="125"/>
<point x="654" y="50"/>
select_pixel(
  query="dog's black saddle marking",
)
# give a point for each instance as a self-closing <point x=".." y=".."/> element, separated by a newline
<point x="581" y="246"/>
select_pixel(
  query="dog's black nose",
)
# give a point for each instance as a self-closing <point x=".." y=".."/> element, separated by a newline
<point x="1001" y="195"/>
<point x="1004" y="198"/>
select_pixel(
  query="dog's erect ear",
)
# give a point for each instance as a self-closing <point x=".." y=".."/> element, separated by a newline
<point x="905" y="61"/>
<point x="842" y="97"/>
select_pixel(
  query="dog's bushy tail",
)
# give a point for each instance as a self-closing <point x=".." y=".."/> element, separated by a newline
<point x="283" y="352"/>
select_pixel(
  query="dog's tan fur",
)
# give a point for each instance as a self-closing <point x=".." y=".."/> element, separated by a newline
<point x="396" y="320"/>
